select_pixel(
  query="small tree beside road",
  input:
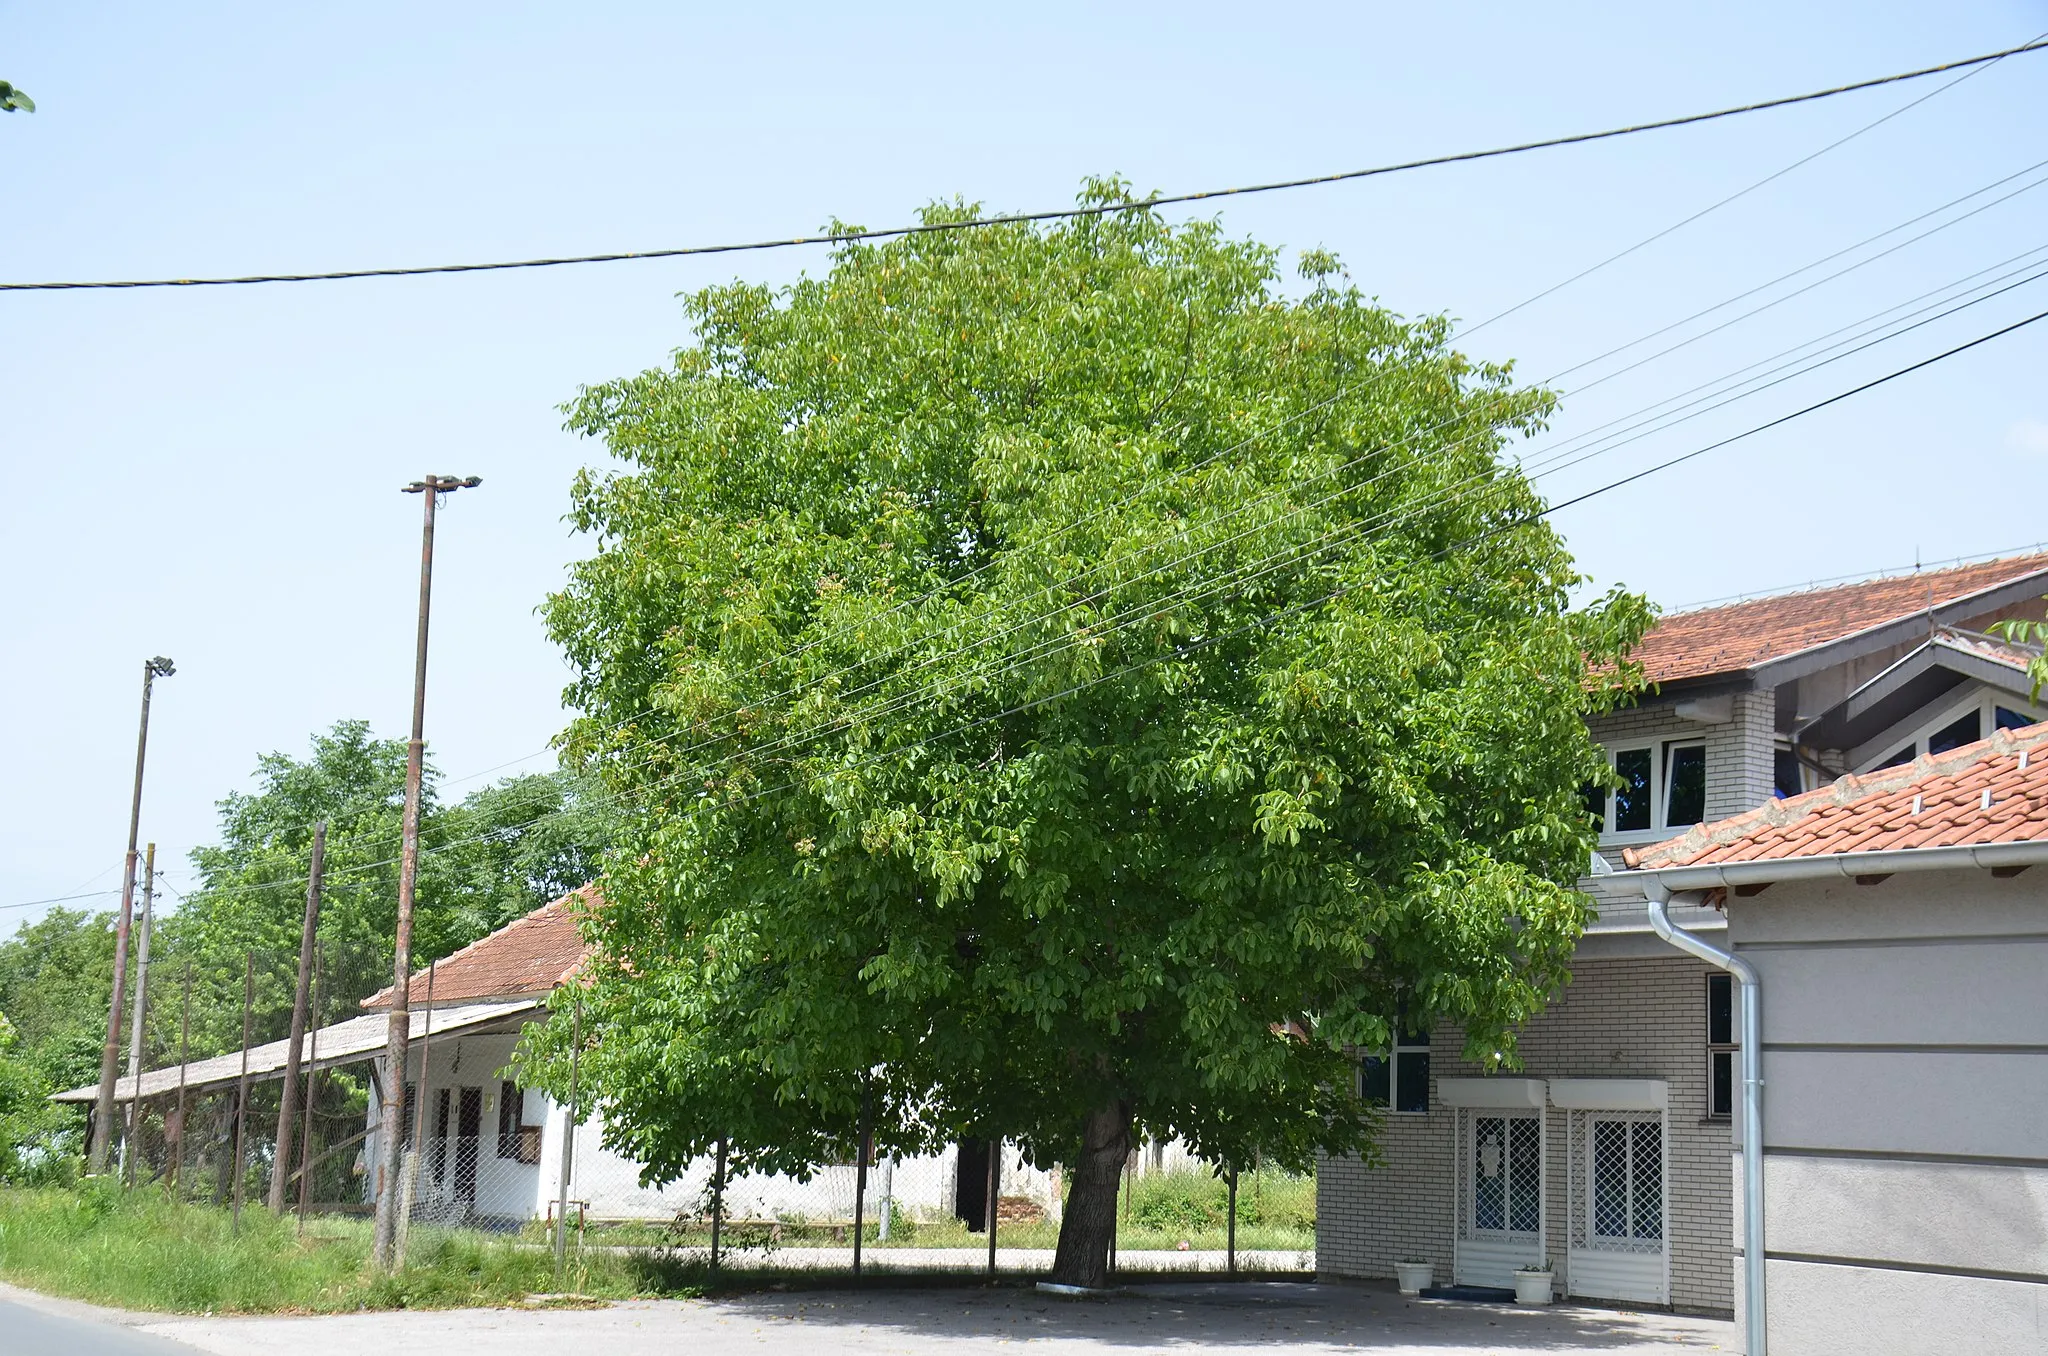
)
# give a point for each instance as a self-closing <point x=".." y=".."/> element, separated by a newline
<point x="1070" y="686"/>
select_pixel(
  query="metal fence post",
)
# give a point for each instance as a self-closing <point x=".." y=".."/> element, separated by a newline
<point x="1231" y="1246"/>
<point x="717" y="1200"/>
<point x="995" y="1187"/>
<point x="860" y="1183"/>
<point x="569" y="1118"/>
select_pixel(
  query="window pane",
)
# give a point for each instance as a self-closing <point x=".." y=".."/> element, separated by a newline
<point x="1372" y="1079"/>
<point x="1596" y="804"/>
<point x="1412" y="1040"/>
<point x="1610" y="1179"/>
<point x="1632" y="802"/>
<point x="1489" y="1173"/>
<point x="1685" y="801"/>
<point x="2003" y="718"/>
<point x="1786" y="779"/>
<point x="1968" y="730"/>
<point x="1525" y="1175"/>
<point x="1646" y="1218"/>
<point x="1720" y="1010"/>
<point x="1411" y="1091"/>
<point x="1724" y="1084"/>
<point x="1904" y="755"/>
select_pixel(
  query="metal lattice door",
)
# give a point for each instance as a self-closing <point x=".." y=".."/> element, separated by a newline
<point x="1616" y="1189"/>
<point x="1500" y="1195"/>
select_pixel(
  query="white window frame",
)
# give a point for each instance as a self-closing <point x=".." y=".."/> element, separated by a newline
<point x="1919" y="727"/>
<point x="1394" y="1058"/>
<point x="1660" y="751"/>
<point x="1732" y="1047"/>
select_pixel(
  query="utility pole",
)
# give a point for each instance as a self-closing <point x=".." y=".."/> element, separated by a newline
<point x="288" y="1102"/>
<point x="130" y="1145"/>
<point x="110" y="1054"/>
<point x="430" y="490"/>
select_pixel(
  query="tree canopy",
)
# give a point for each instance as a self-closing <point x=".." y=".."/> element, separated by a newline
<point x="1069" y="682"/>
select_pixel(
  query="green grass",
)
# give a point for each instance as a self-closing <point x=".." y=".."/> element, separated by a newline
<point x="142" y="1250"/>
<point x="146" y="1252"/>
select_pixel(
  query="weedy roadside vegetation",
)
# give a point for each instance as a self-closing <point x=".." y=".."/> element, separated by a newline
<point x="141" y="1250"/>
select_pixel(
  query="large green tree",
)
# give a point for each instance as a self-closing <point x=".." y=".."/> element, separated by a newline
<point x="1071" y="684"/>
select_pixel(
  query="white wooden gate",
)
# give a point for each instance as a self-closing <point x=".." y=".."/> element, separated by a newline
<point x="1616" y="1189"/>
<point x="1500" y="1155"/>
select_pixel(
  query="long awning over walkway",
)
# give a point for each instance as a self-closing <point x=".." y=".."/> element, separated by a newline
<point x="349" y="1042"/>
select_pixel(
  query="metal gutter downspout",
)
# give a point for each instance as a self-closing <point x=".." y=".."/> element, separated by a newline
<point x="1754" y="1327"/>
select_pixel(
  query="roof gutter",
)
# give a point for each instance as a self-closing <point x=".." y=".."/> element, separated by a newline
<point x="1844" y="865"/>
<point x="1755" y="1330"/>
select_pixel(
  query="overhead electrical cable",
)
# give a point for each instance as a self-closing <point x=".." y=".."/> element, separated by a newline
<point x="1051" y="214"/>
<point x="700" y="771"/>
<point x="1978" y="65"/>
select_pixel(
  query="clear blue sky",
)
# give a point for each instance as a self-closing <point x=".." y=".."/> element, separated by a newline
<point x="213" y="475"/>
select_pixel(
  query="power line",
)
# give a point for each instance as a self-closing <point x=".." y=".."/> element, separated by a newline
<point x="1347" y="387"/>
<point x="1198" y="589"/>
<point x="1182" y="651"/>
<point x="1053" y="214"/>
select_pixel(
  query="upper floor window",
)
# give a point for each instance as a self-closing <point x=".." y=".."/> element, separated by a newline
<point x="1952" y="727"/>
<point x="1663" y="787"/>
<point x="1398" y="1078"/>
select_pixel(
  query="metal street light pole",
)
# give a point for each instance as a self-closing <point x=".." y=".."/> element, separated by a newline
<point x="110" y="1053"/>
<point x="430" y="489"/>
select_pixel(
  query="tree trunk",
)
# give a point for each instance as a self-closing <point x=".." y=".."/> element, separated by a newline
<point x="1089" y="1224"/>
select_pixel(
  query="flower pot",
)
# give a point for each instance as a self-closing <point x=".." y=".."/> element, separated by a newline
<point x="1413" y="1277"/>
<point x="1532" y="1287"/>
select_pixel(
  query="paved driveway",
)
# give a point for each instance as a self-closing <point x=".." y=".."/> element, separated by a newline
<point x="1212" y="1319"/>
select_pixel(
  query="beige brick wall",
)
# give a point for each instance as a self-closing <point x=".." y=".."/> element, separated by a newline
<point x="1643" y="1018"/>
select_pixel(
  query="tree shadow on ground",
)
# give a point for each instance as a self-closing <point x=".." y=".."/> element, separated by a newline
<point x="1221" y="1314"/>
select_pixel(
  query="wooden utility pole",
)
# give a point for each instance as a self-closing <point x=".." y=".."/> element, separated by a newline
<point x="430" y="489"/>
<point x="110" y="1054"/>
<point x="130" y="1145"/>
<point x="184" y="1062"/>
<point x="312" y="1086"/>
<point x="410" y="1188"/>
<point x="242" y="1089"/>
<point x="288" y="1102"/>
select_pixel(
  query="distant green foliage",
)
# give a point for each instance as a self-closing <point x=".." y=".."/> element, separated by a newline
<point x="1191" y="1201"/>
<point x="499" y="853"/>
<point x="37" y="1140"/>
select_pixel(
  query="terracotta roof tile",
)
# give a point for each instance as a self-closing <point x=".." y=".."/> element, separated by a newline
<point x="528" y="956"/>
<point x="1741" y="636"/>
<point x="1874" y="811"/>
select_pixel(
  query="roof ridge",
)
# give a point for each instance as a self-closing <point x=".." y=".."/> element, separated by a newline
<point x="583" y="891"/>
<point x="1813" y="590"/>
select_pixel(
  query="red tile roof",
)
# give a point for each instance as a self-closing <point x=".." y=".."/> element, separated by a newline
<point x="1993" y="791"/>
<point x="527" y="957"/>
<point x="1741" y="636"/>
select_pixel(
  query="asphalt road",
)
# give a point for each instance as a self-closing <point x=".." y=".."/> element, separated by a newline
<point x="29" y="1332"/>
